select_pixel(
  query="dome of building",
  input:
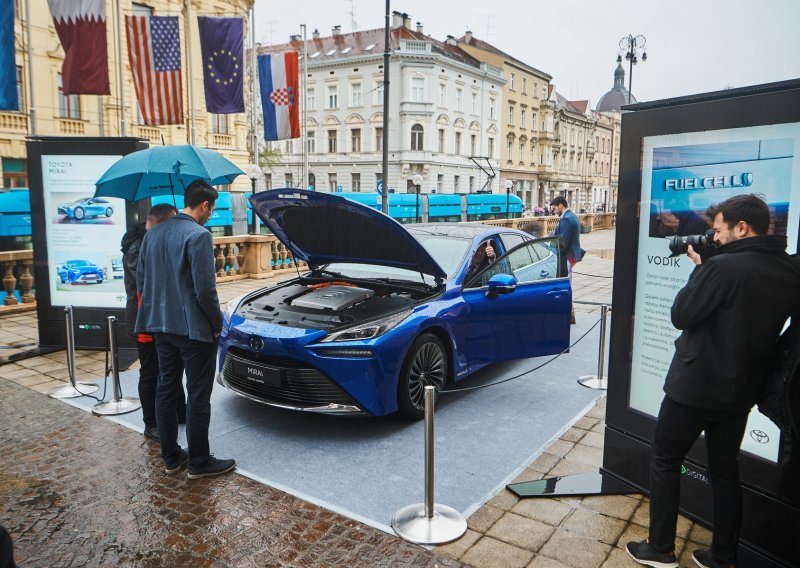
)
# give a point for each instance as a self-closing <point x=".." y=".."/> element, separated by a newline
<point x="614" y="99"/>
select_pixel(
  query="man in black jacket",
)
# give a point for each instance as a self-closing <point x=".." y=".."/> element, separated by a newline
<point x="148" y="360"/>
<point x="731" y="312"/>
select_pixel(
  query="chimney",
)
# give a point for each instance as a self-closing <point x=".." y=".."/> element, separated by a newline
<point x="419" y="28"/>
<point x="451" y="40"/>
<point x="337" y="30"/>
<point x="294" y="38"/>
<point x="406" y="21"/>
<point x="468" y="37"/>
<point x="315" y="35"/>
<point x="397" y="20"/>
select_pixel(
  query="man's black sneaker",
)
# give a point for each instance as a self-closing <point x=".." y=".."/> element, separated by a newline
<point x="173" y="468"/>
<point x="643" y="553"/>
<point x="151" y="433"/>
<point x="211" y="467"/>
<point x="702" y="557"/>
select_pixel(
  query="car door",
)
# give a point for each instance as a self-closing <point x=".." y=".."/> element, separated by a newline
<point x="532" y="320"/>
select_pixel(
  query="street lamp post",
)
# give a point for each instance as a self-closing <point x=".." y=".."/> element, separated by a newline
<point x="417" y="179"/>
<point x="253" y="172"/>
<point x="508" y="184"/>
<point x="631" y="45"/>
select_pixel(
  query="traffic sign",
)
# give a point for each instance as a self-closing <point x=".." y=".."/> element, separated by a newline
<point x="379" y="186"/>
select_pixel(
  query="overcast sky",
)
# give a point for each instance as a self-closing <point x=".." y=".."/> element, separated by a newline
<point x="693" y="46"/>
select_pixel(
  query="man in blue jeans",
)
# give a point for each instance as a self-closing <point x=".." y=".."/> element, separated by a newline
<point x="729" y="329"/>
<point x="176" y="278"/>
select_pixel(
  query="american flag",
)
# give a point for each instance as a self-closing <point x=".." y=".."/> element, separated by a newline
<point x="155" y="58"/>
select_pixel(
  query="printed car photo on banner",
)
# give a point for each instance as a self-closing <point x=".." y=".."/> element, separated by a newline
<point x="83" y="233"/>
<point x="682" y="175"/>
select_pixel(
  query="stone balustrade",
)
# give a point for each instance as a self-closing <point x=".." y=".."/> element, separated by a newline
<point x="17" y="271"/>
<point x="541" y="226"/>
<point x="251" y="256"/>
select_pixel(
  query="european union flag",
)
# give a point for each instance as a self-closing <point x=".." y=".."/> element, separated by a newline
<point x="8" y="67"/>
<point x="222" y="48"/>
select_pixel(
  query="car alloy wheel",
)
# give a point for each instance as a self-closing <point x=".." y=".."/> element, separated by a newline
<point x="79" y="213"/>
<point x="109" y="211"/>
<point x="425" y="365"/>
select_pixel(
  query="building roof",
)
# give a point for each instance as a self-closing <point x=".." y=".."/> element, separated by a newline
<point x="367" y="42"/>
<point x="578" y="107"/>
<point x="614" y="99"/>
<point x="472" y="41"/>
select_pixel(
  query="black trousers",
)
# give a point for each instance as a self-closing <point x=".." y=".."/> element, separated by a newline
<point x="148" y="381"/>
<point x="677" y="429"/>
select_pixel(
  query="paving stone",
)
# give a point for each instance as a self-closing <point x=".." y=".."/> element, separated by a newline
<point x="32" y="380"/>
<point x="586" y="454"/>
<point x="544" y="462"/>
<point x="618" y="559"/>
<point x="545" y="562"/>
<point x="492" y="553"/>
<point x="697" y="533"/>
<point x="594" y="439"/>
<point x="617" y="506"/>
<point x="595" y="526"/>
<point x="528" y="475"/>
<point x="567" y="467"/>
<point x="458" y="548"/>
<point x="573" y="435"/>
<point x="598" y="411"/>
<point x="575" y="550"/>
<point x="482" y="519"/>
<point x="642" y="517"/>
<point x="586" y="423"/>
<point x="504" y="500"/>
<point x="545" y="510"/>
<point x="560" y="448"/>
<point x="521" y="531"/>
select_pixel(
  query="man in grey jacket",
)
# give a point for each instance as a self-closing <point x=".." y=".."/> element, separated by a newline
<point x="179" y="306"/>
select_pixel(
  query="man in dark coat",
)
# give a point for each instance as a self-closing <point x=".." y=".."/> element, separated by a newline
<point x="176" y="277"/>
<point x="729" y="335"/>
<point x="148" y="360"/>
<point x="568" y="232"/>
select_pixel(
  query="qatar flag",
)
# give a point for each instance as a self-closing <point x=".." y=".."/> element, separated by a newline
<point x="81" y="27"/>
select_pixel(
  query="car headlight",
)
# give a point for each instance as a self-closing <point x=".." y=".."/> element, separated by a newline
<point x="368" y="330"/>
<point x="232" y="306"/>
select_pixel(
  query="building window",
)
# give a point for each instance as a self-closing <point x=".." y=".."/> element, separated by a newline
<point x="524" y="85"/>
<point x="417" y="89"/>
<point x="355" y="180"/>
<point x="511" y="115"/>
<point x="219" y="123"/>
<point x="491" y="147"/>
<point x="441" y="140"/>
<point x="533" y="153"/>
<point x="473" y="145"/>
<point x="332" y="183"/>
<point x="69" y="106"/>
<point x="15" y="173"/>
<point x="355" y="140"/>
<point x="268" y="181"/>
<point x="458" y="143"/>
<point x="456" y="184"/>
<point x="513" y="82"/>
<point x="442" y="95"/>
<point x="379" y="91"/>
<point x="311" y="99"/>
<point x="533" y="121"/>
<point x="474" y="103"/>
<point x="522" y="151"/>
<point x="355" y="95"/>
<point x="379" y="139"/>
<point x="544" y="92"/>
<point x="471" y="184"/>
<point x="491" y="108"/>
<point x="311" y="142"/>
<point x="439" y="183"/>
<point x="331" y="141"/>
<point x="522" y="118"/>
<point x="287" y="147"/>
<point x="289" y="180"/>
<point x="333" y="97"/>
<point x="509" y="150"/>
<point x="459" y="100"/>
<point x="416" y="137"/>
<point x="20" y="96"/>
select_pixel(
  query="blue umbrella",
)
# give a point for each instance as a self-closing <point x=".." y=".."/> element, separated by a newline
<point x="164" y="170"/>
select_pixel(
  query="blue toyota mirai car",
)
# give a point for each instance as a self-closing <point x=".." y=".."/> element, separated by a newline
<point x="80" y="272"/>
<point x="386" y="309"/>
<point x="86" y="207"/>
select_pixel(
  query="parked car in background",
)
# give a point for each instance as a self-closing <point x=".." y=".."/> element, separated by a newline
<point x="80" y="272"/>
<point x="386" y="309"/>
<point x="86" y="207"/>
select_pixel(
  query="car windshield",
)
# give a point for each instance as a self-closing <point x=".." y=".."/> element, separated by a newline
<point x="448" y="252"/>
<point x="77" y="263"/>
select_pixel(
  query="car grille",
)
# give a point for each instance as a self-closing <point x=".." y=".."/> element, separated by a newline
<point x="302" y="385"/>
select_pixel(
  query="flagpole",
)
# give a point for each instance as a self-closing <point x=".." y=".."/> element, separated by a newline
<point x="100" y="114"/>
<point x="304" y="133"/>
<point x="385" y="163"/>
<point x="31" y="107"/>
<point x="253" y="109"/>
<point x="120" y="80"/>
<point x="189" y="66"/>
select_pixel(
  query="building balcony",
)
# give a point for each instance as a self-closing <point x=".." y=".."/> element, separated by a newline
<point x="13" y="122"/>
<point x="221" y="141"/>
<point x="150" y="132"/>
<point x="71" y="127"/>
<point x="416" y="108"/>
<point x="415" y="47"/>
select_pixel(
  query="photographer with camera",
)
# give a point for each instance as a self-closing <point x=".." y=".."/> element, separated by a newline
<point x="731" y="312"/>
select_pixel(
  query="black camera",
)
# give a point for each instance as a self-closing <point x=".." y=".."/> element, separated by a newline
<point x="700" y="243"/>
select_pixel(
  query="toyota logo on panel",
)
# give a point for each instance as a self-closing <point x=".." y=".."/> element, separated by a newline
<point x="256" y="343"/>
<point x="759" y="436"/>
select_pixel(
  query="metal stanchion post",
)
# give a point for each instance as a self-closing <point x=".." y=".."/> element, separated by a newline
<point x="71" y="390"/>
<point x="119" y="405"/>
<point x="598" y="381"/>
<point x="429" y="522"/>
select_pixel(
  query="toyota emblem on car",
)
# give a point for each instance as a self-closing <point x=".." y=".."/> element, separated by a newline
<point x="256" y="343"/>
<point x="759" y="436"/>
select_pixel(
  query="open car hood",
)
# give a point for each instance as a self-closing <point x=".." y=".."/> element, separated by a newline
<point x="321" y="228"/>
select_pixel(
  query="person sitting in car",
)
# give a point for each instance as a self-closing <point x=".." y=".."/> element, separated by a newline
<point x="484" y="256"/>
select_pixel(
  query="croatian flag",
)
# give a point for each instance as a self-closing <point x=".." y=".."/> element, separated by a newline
<point x="81" y="27"/>
<point x="280" y="93"/>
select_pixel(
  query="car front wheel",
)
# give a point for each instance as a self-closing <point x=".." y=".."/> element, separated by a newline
<point x="425" y="365"/>
<point x="79" y="213"/>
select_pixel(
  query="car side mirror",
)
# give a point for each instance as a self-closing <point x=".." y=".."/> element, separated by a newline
<point x="501" y="284"/>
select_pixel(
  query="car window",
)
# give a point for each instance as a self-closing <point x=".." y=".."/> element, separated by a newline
<point x="510" y="240"/>
<point x="528" y="262"/>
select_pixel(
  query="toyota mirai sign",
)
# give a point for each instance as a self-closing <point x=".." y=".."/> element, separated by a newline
<point x="386" y="310"/>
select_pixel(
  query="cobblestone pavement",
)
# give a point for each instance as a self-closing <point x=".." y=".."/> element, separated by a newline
<point x="77" y="490"/>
